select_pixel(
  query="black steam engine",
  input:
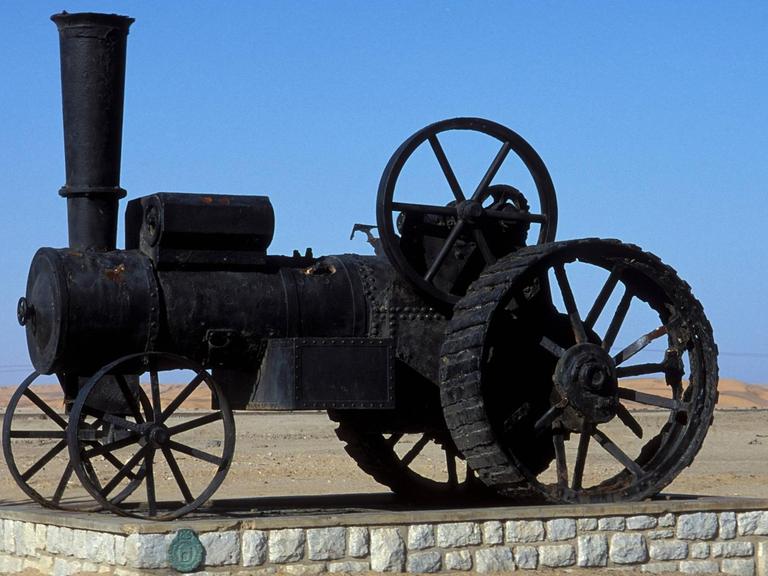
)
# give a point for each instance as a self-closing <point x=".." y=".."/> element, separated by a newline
<point x="458" y="339"/>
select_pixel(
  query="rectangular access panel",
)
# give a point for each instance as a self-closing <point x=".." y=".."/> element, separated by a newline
<point x="322" y="373"/>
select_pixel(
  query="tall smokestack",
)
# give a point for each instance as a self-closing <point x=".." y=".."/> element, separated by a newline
<point x="93" y="85"/>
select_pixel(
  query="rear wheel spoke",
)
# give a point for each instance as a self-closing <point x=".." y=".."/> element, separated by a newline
<point x="649" y="399"/>
<point x="640" y="370"/>
<point x="570" y="304"/>
<point x="617" y="320"/>
<point x="562" y="466"/>
<point x="414" y="451"/>
<point x="633" y="467"/>
<point x="129" y="398"/>
<point x="629" y="421"/>
<point x="450" y="464"/>
<point x="581" y="457"/>
<point x="603" y="297"/>
<point x="551" y="347"/>
<point x="639" y="344"/>
<point x="154" y="383"/>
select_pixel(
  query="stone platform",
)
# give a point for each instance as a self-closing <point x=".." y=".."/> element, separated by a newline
<point x="362" y="533"/>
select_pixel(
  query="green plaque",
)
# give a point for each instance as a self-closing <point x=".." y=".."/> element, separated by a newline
<point x="185" y="554"/>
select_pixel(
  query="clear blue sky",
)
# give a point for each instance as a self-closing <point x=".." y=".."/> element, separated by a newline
<point x="651" y="116"/>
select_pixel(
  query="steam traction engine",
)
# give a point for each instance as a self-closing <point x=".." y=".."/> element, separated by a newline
<point x="458" y="339"/>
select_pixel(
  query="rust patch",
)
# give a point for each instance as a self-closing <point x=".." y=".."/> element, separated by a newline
<point x="116" y="274"/>
<point x="206" y="200"/>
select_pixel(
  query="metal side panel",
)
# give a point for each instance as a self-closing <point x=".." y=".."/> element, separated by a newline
<point x="322" y="373"/>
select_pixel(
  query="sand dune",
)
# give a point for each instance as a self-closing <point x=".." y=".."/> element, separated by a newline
<point x="733" y="393"/>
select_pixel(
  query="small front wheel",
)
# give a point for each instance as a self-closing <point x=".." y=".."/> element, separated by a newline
<point x="164" y="438"/>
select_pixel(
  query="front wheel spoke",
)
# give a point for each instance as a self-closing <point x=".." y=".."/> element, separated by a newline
<point x="62" y="485"/>
<point x="195" y="453"/>
<point x="640" y="369"/>
<point x="39" y="434"/>
<point x="154" y="384"/>
<point x="178" y="476"/>
<point x="501" y="155"/>
<point x="648" y="399"/>
<point x="639" y="344"/>
<point x="562" y="468"/>
<point x="123" y="472"/>
<point x="445" y="166"/>
<point x="633" y="467"/>
<point x="629" y="421"/>
<point x="150" y="476"/>
<point x="116" y="462"/>
<point x="414" y="451"/>
<point x="196" y="423"/>
<point x="129" y="398"/>
<point x="50" y="412"/>
<point x="482" y="245"/>
<point x="579" y="332"/>
<point x="183" y="395"/>
<point x="102" y="449"/>
<point x="617" y="320"/>
<point x="47" y="457"/>
<point x="444" y="251"/>
<point x="514" y="216"/>
<point x="409" y="207"/>
<point x="603" y="297"/>
<point x="551" y="346"/>
<point x="121" y="423"/>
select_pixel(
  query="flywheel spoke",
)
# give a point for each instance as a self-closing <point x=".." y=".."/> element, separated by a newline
<point x="437" y="148"/>
<point x="501" y="155"/>
<point x="444" y="250"/>
<point x="514" y="216"/>
<point x="424" y="209"/>
<point x="482" y="245"/>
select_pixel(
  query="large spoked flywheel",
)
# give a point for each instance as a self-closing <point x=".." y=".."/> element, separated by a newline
<point x="585" y="370"/>
<point x="441" y="233"/>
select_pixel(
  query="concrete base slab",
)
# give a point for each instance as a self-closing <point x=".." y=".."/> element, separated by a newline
<point x="362" y="533"/>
